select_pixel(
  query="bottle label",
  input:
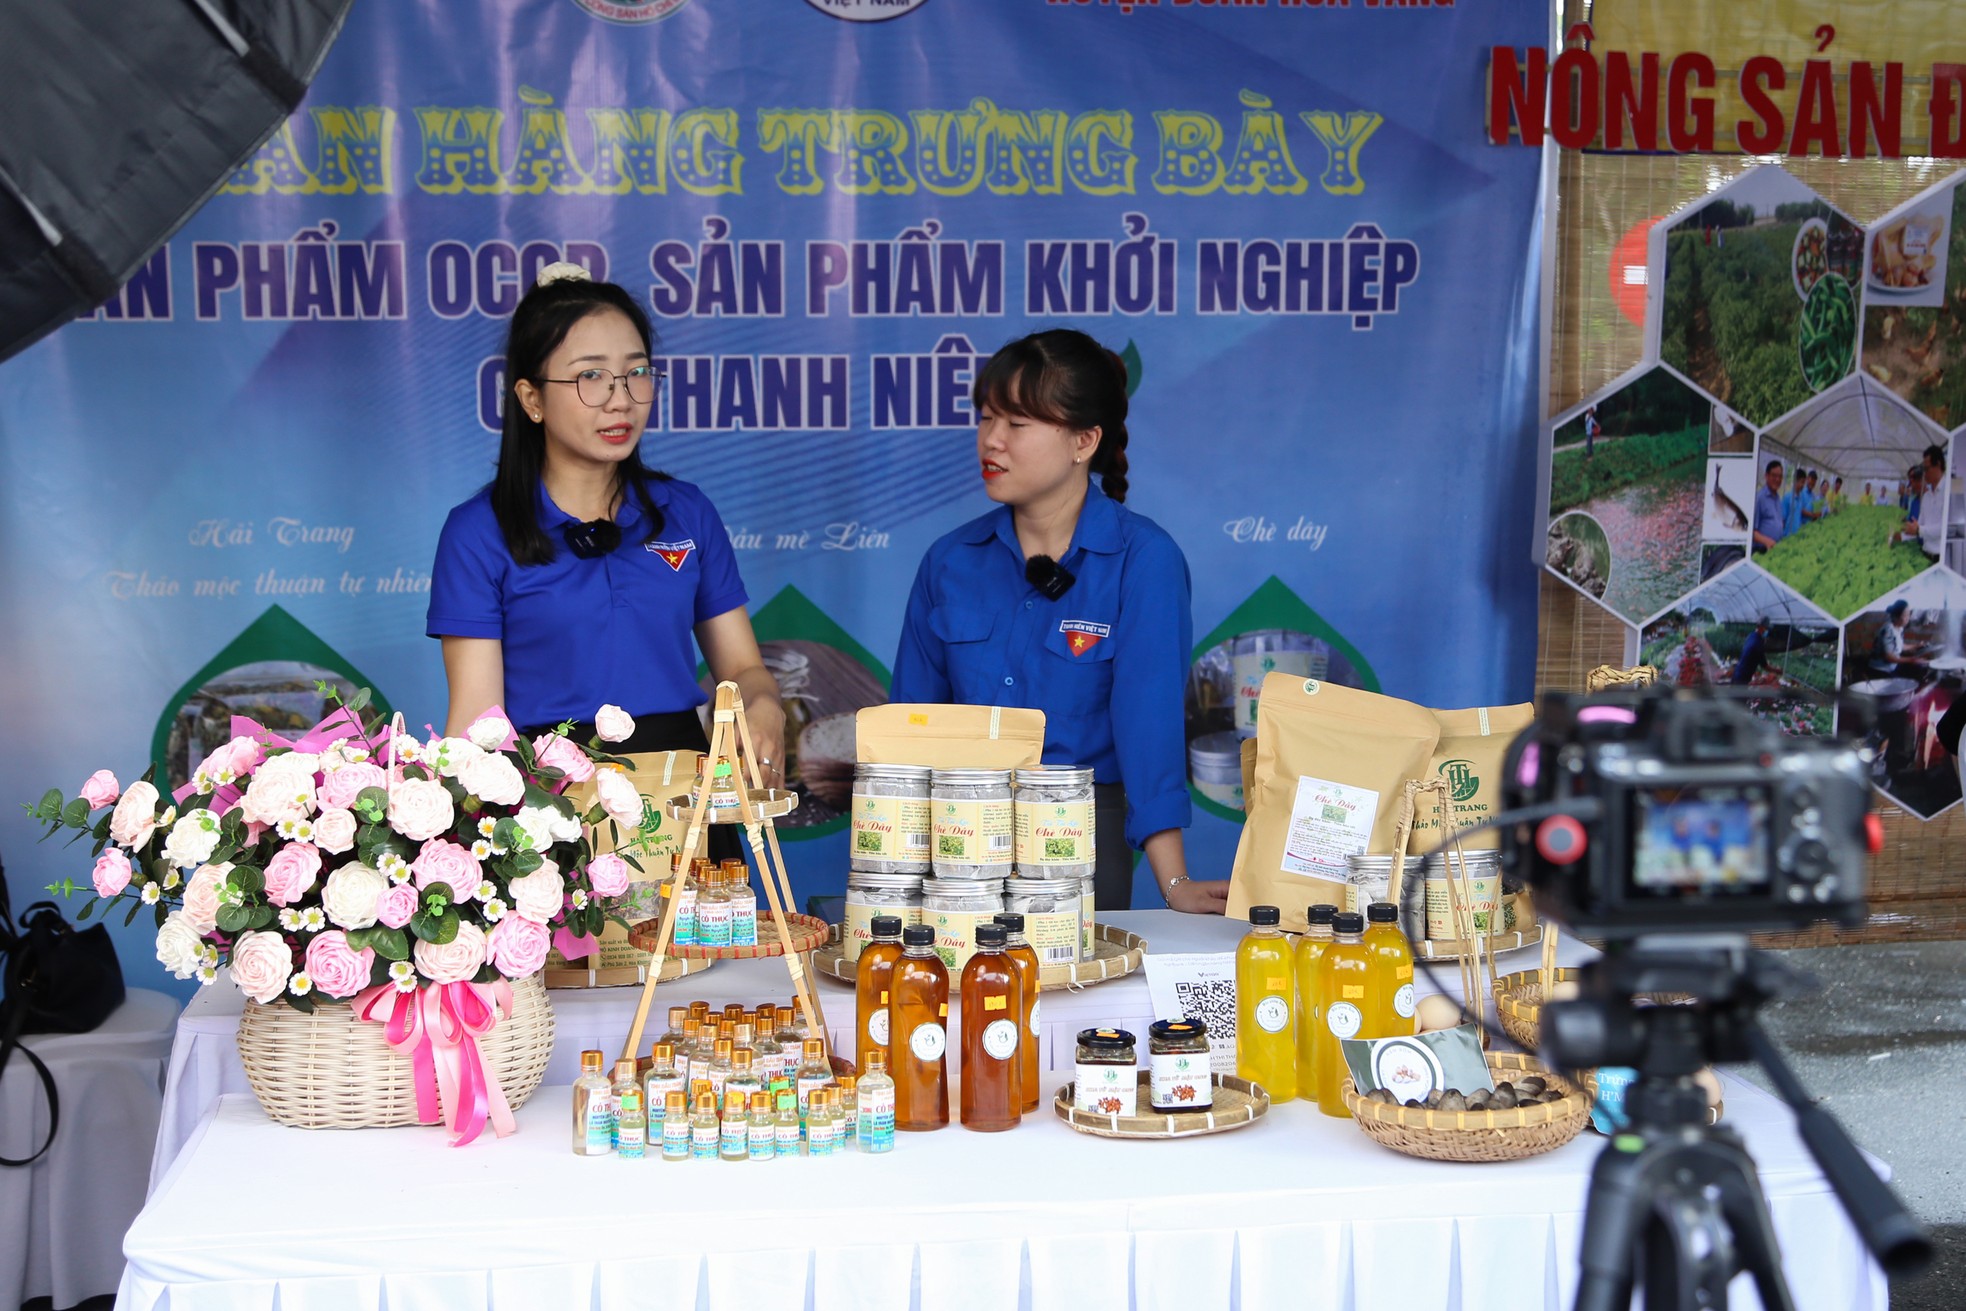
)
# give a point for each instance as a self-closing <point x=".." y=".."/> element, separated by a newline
<point x="764" y="1141"/>
<point x="1403" y="1001"/>
<point x="744" y="922"/>
<point x="1344" y="1019"/>
<point x="1000" y="1039"/>
<point x="656" y="1090"/>
<point x="891" y="828"/>
<point x="736" y="1137"/>
<point x="928" y="1042"/>
<point x="713" y="923"/>
<point x="599" y="1119"/>
<point x="877" y="1027"/>
<point x="788" y="1139"/>
<point x="1105" y="1089"/>
<point x="718" y="1079"/>
<point x="876" y="1119"/>
<point x="703" y="1141"/>
<point x="1034" y="1018"/>
<point x="955" y="935"/>
<point x="806" y="1084"/>
<point x="675" y="1139"/>
<point x="1180" y="1081"/>
<point x="1053" y="833"/>
<point x="974" y="832"/>
<point x="685" y="935"/>
<point x="1054" y="934"/>
<point x="634" y="1139"/>
<point x="1273" y="1014"/>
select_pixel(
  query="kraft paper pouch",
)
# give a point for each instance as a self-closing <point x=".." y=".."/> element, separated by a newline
<point x="1469" y="756"/>
<point x="1331" y="768"/>
<point x="1411" y="1067"/>
<point x="1248" y="778"/>
<point x="949" y="737"/>
<point x="658" y="776"/>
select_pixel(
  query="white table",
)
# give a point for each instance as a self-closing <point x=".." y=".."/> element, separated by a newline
<point x="1296" y="1210"/>
<point x="59" y="1218"/>
<point x="205" y="1062"/>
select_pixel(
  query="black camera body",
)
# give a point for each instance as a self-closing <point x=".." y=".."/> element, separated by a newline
<point x="1681" y="813"/>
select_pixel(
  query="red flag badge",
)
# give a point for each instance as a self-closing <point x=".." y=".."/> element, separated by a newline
<point x="673" y="553"/>
<point x="1082" y="635"/>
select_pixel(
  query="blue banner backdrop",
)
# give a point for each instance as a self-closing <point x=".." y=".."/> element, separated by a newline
<point x="230" y="480"/>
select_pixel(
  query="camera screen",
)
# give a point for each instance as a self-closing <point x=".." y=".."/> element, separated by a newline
<point x="1700" y="841"/>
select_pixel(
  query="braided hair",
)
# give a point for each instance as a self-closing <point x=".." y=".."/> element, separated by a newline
<point x="1063" y="377"/>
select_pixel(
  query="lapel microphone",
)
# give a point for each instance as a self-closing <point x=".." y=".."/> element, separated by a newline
<point x="1051" y="579"/>
<point x="593" y="539"/>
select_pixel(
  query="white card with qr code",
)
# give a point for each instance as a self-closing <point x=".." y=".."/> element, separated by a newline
<point x="1328" y="822"/>
<point x="1198" y="986"/>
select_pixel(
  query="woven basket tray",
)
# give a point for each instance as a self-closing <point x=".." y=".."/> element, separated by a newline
<point x="330" y="1070"/>
<point x="808" y="932"/>
<point x="1477" y="1135"/>
<point x="1115" y="954"/>
<point x="1238" y="1102"/>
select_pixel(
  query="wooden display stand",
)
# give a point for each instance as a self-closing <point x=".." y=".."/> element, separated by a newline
<point x="730" y="742"/>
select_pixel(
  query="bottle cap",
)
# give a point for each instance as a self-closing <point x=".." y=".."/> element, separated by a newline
<point x="1106" y="1039"/>
<point x="1012" y="921"/>
<point x="760" y="1102"/>
<point x="1349" y="921"/>
<point x="665" y="1052"/>
<point x="734" y="1103"/>
<point x="815" y="1049"/>
<point x="918" y="935"/>
<point x="674" y="1103"/>
<point x="631" y="1098"/>
<point x="848" y="1082"/>
<point x="887" y="926"/>
<point x="819" y="1099"/>
<point x="1382" y="912"/>
<point x="706" y="1102"/>
<point x="591" y="1062"/>
<point x="767" y="1016"/>
<point x="741" y="1033"/>
<point x="788" y="1101"/>
<point x="677" y="1014"/>
<point x="876" y="1060"/>
<point x="699" y="1009"/>
<point x="624" y="1068"/>
<point x="990" y="936"/>
<point x="723" y="1049"/>
<point x="743" y="1058"/>
<point x="1321" y="913"/>
<point x="1265" y="915"/>
<point x="1169" y="1029"/>
<point x="734" y="1011"/>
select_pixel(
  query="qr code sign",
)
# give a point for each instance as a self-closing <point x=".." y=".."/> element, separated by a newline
<point x="1212" y="1001"/>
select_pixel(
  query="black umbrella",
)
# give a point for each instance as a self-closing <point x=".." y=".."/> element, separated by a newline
<point x="118" y="119"/>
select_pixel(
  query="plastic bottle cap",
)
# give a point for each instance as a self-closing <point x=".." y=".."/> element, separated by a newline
<point x="674" y="1102"/>
<point x="876" y="1060"/>
<point x="664" y="1052"/>
<point x="887" y="926"/>
<point x="1321" y="914"/>
<point x="1011" y="921"/>
<point x="760" y="1102"/>
<point x="815" y="1049"/>
<point x="990" y="935"/>
<point x="918" y="935"/>
<point x="1265" y="915"/>
<point x="625" y="1068"/>
<point x="743" y="1057"/>
<point x="1349" y="921"/>
<point x="1382" y="912"/>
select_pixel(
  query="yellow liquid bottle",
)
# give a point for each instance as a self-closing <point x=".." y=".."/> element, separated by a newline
<point x="1343" y="995"/>
<point x="1310" y="948"/>
<point x="1389" y="985"/>
<point x="1266" y="994"/>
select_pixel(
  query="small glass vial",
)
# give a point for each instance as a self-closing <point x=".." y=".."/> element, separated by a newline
<point x="675" y="1127"/>
<point x="685" y="886"/>
<point x="1105" y="1080"/>
<point x="790" y="1139"/>
<point x="1177" y="1055"/>
<point x="735" y="1135"/>
<point x="891" y="821"/>
<point x="821" y="1131"/>
<point x="624" y="1080"/>
<point x="720" y="1068"/>
<point x="1053" y="823"/>
<point x="678" y="1016"/>
<point x="847" y="1100"/>
<point x="742" y="1038"/>
<point x="662" y="1078"/>
<point x="713" y="912"/>
<point x="792" y="1021"/>
<point x="593" y="1109"/>
<point x="743" y="904"/>
<point x="743" y="1074"/>
<point x="762" y="1129"/>
<point x="875" y="1095"/>
<point x="770" y="1055"/>
<point x="814" y="1072"/>
<point x="704" y="1129"/>
<point x="632" y="1125"/>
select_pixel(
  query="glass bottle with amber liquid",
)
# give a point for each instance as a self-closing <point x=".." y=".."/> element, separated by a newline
<point x="993" y="1021"/>
<point x="873" y="974"/>
<point x="1018" y="948"/>
<point x="918" y="1015"/>
<point x="1389" y="987"/>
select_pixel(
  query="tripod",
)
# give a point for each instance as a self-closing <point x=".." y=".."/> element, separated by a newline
<point x="1675" y="1206"/>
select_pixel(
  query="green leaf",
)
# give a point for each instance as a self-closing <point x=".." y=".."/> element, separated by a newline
<point x="162" y="912"/>
<point x="134" y="908"/>
<point x="305" y="1005"/>
<point x="150" y="774"/>
<point x="247" y="880"/>
<point x="234" y="919"/>
<point x="76" y="814"/>
<point x="633" y="860"/>
<point x="223" y="852"/>
<point x="50" y="807"/>
<point x="523" y="747"/>
<point x="447" y="928"/>
<point x="87" y="910"/>
<point x="525" y="862"/>
<point x="424" y="926"/>
<point x="231" y="827"/>
<point x="262" y="916"/>
<point x="359" y="702"/>
<point x="505" y="834"/>
<point x="390" y="944"/>
<point x="371" y="804"/>
<point x="417" y="772"/>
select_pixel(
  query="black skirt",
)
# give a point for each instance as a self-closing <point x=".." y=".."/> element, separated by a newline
<point x="674" y="730"/>
<point x="1112" y="871"/>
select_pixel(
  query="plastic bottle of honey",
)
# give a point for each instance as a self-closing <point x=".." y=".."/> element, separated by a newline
<point x="1310" y="948"/>
<point x="918" y="1013"/>
<point x="1390" y="985"/>
<point x="1025" y="958"/>
<point x="873" y="974"/>
<point x="1344" y="991"/>
<point x="1266" y="994"/>
<point x="993" y="1023"/>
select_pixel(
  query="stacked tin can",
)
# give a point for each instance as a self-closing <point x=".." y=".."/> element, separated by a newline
<point x="1056" y="838"/>
<point x="889" y="851"/>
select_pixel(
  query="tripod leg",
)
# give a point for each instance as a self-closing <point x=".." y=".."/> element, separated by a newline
<point x="1746" y="1209"/>
<point x="1615" y="1217"/>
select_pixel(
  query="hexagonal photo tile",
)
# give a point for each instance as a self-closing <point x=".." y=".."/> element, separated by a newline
<point x="1758" y="294"/>
<point x="1915" y="302"/>
<point x="1746" y="629"/>
<point x="1953" y="555"/>
<point x="1839" y="527"/>
<point x="1628" y="471"/>
<point x="1909" y="654"/>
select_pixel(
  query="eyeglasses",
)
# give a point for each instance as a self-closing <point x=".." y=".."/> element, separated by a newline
<point x="595" y="387"/>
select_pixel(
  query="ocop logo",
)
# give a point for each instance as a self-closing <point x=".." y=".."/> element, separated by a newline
<point x="1461" y="778"/>
<point x="866" y="11"/>
<point x="631" y="11"/>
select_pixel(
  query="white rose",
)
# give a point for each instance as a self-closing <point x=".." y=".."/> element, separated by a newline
<point x="618" y="797"/>
<point x="202" y="897"/>
<point x="540" y="895"/>
<point x="489" y="733"/>
<point x="456" y="961"/>
<point x="261" y="965"/>
<point x="613" y="724"/>
<point x="350" y="895"/>
<point x="282" y="788"/>
<point x="135" y="816"/>
<point x="493" y="777"/>
<point x="180" y="946"/>
<point x="192" y="839"/>
<point x="334" y="830"/>
<point x="420" y="809"/>
<point x="450" y="755"/>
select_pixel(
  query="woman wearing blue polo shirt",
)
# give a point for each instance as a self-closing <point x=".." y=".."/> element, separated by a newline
<point x="578" y="578"/>
<point x="1064" y="600"/>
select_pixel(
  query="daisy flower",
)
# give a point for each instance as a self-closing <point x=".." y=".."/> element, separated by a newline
<point x="290" y="920"/>
<point x="481" y="850"/>
<point x="152" y="892"/>
<point x="403" y="975"/>
<point x="487" y="826"/>
<point x="171" y="879"/>
<point x="314" y="919"/>
<point x="207" y="975"/>
<point x="493" y="910"/>
<point x="300" y="985"/>
<point x="580" y="899"/>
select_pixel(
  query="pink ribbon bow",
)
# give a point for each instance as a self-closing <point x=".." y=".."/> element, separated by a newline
<point x="438" y="1027"/>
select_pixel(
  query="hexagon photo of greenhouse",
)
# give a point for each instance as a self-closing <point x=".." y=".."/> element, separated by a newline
<point x="1746" y="630"/>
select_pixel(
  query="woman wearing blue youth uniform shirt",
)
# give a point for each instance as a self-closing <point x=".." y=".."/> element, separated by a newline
<point x="579" y="577"/>
<point x="1065" y="601"/>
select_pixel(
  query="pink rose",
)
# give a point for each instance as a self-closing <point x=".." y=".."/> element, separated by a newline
<point x="261" y="965"/>
<point x="394" y="907"/>
<point x="541" y="895"/>
<point x="334" y="830"/>
<point x="455" y="961"/>
<point x="420" y="808"/>
<point x="201" y="896"/>
<point x="608" y="875"/>
<point x="135" y="816"/>
<point x="618" y="797"/>
<point x="290" y="874"/>
<point x="555" y="752"/>
<point x="239" y="757"/>
<point x="445" y="862"/>
<point x="340" y="788"/>
<point x="112" y="872"/>
<point x="336" y="968"/>
<point x="613" y="724"/>
<point x="518" y="947"/>
<point x="493" y="777"/>
<point x="101" y="790"/>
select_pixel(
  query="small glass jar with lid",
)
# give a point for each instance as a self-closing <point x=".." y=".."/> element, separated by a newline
<point x="868" y="895"/>
<point x="972" y="824"/>
<point x="1050" y="908"/>
<point x="891" y="824"/>
<point x="1105" y="1080"/>
<point x="953" y="908"/>
<point x="1177" y="1057"/>
<point x="1054" y="822"/>
<point x="1370" y="878"/>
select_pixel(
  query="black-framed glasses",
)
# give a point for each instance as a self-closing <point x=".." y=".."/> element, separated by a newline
<point x="595" y="387"/>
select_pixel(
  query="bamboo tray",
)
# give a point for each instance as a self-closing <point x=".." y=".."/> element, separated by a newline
<point x="572" y="975"/>
<point x="808" y="932"/>
<point x="1478" y="1136"/>
<point x="1455" y="949"/>
<point x="774" y="801"/>
<point x="1519" y="1003"/>
<point x="1238" y="1103"/>
<point x="1115" y="954"/>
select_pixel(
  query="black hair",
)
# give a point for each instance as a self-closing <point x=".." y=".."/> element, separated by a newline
<point x="1064" y="377"/>
<point x="1771" y="466"/>
<point x="1936" y="454"/>
<point x="539" y="325"/>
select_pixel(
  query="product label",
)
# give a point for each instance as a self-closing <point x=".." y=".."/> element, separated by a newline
<point x="877" y="1027"/>
<point x="788" y="1139"/>
<point x="1273" y="1014"/>
<point x="1328" y="822"/>
<point x="1053" y="833"/>
<point x="598" y="1116"/>
<point x="974" y="832"/>
<point x="763" y="1141"/>
<point x="819" y="1138"/>
<point x="703" y="1142"/>
<point x="685" y="933"/>
<point x="657" y="1090"/>
<point x="928" y="1042"/>
<point x="1000" y="1039"/>
<point x="713" y="923"/>
<point x="718" y="1078"/>
<point x="675" y="1139"/>
<point x="744" y="923"/>
<point x="876" y="1119"/>
<point x="1344" y="1019"/>
<point x="1105" y="1089"/>
<point x="1403" y="1001"/>
<point x="1484" y="890"/>
<point x="805" y="1087"/>
<point x="1054" y="934"/>
<point x="955" y="935"/>
<point x="891" y="828"/>
<point x="633" y="1142"/>
<point x="736" y="1137"/>
<point x="1034" y="1019"/>
<point x="1181" y="1082"/>
<point x="1085" y="924"/>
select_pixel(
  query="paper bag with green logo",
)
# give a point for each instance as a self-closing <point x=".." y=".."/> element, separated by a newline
<point x="1331" y="766"/>
<point x="1469" y="756"/>
<point x="658" y="775"/>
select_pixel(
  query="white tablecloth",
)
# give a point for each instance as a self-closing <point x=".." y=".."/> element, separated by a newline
<point x="1296" y="1210"/>
<point x="60" y="1217"/>
<point x="205" y="1062"/>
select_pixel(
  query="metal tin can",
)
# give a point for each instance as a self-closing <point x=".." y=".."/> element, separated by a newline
<point x="891" y="824"/>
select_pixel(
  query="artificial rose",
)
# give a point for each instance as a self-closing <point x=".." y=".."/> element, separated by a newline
<point x="202" y="896"/>
<point x="281" y="789"/>
<point x="540" y="895"/>
<point x="394" y="908"/>
<point x="490" y="732"/>
<point x="193" y="839"/>
<point x="340" y="788"/>
<point x="420" y="808"/>
<point x="112" y="872"/>
<point x="545" y="825"/>
<point x="261" y="965"/>
<point x="555" y="752"/>
<point x="518" y="947"/>
<point x="618" y="796"/>
<point x="101" y="789"/>
<point x="290" y="874"/>
<point x="337" y="968"/>
<point x="613" y="724"/>
<point x="135" y="816"/>
<point x="494" y="778"/>
<point x="180" y="946"/>
<point x="451" y="754"/>
<point x="608" y="875"/>
<point x="455" y="961"/>
<point x="351" y="894"/>
<point x="238" y="758"/>
<point x="334" y="829"/>
<point x="445" y="862"/>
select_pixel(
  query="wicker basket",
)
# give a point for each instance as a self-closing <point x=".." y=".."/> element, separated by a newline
<point x="1477" y="1135"/>
<point x="330" y="1070"/>
<point x="1519" y="1003"/>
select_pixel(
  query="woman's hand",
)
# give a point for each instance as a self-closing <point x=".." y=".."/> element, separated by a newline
<point x="1210" y="897"/>
<point x="767" y="720"/>
<point x="1167" y="857"/>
